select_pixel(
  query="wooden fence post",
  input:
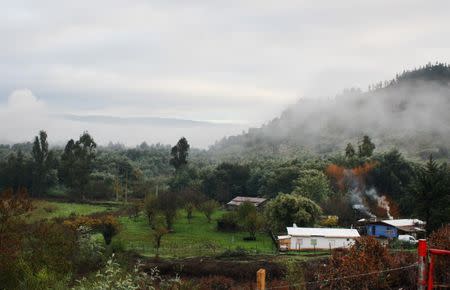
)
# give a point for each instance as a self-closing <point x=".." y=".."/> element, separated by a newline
<point x="422" y="265"/>
<point x="261" y="279"/>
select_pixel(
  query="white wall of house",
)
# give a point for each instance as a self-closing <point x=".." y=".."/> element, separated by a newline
<point x="320" y="243"/>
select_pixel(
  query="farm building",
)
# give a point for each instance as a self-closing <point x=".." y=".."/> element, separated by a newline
<point x="238" y="200"/>
<point x="299" y="238"/>
<point x="390" y="229"/>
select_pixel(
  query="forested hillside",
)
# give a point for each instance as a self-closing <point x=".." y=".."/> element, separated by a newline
<point x="409" y="112"/>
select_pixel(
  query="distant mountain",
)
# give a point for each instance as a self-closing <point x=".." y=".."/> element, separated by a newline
<point x="411" y="112"/>
<point x="155" y="121"/>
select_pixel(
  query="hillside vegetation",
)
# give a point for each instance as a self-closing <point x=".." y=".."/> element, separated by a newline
<point x="410" y="112"/>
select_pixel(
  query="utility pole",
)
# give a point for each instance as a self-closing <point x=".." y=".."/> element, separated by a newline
<point x="126" y="187"/>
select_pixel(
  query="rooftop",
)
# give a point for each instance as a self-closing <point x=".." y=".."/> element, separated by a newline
<point x="238" y="200"/>
<point x="404" y="222"/>
<point x="323" y="232"/>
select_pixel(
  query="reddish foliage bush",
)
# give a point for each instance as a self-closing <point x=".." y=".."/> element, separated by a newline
<point x="107" y="225"/>
<point x="367" y="255"/>
<point x="12" y="230"/>
<point x="216" y="283"/>
<point x="440" y="239"/>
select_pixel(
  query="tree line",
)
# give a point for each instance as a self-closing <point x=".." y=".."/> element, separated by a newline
<point x="83" y="170"/>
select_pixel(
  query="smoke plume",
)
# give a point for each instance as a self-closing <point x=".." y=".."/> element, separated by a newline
<point x="353" y="181"/>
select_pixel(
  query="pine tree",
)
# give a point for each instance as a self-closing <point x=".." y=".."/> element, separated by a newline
<point x="350" y="151"/>
<point x="179" y="154"/>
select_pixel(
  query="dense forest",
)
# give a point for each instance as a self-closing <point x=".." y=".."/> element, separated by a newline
<point x="82" y="171"/>
<point x="409" y="112"/>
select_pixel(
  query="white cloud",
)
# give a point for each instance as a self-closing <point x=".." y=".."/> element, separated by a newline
<point x="23" y="100"/>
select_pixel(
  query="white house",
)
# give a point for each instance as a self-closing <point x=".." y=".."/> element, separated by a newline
<point x="317" y="238"/>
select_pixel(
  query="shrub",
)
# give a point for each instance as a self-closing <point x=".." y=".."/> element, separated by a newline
<point x="330" y="221"/>
<point x="216" y="283"/>
<point x="57" y="191"/>
<point x="51" y="245"/>
<point x="367" y="255"/>
<point x="398" y="244"/>
<point x="113" y="276"/>
<point x="50" y="208"/>
<point x="440" y="239"/>
<point x="238" y="252"/>
<point x="208" y="208"/>
<point x="90" y="252"/>
<point x="107" y="225"/>
<point x="133" y="210"/>
<point x="42" y="279"/>
<point x="228" y="222"/>
<point x="294" y="274"/>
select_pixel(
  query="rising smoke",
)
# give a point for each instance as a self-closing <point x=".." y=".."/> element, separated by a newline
<point x="353" y="182"/>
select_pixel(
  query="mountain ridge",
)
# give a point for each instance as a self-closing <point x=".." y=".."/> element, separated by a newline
<point x="409" y="112"/>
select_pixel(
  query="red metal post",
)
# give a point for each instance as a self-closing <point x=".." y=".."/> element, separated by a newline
<point x="422" y="262"/>
<point x="430" y="273"/>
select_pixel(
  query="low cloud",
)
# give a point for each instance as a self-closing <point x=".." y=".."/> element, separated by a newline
<point x="24" y="114"/>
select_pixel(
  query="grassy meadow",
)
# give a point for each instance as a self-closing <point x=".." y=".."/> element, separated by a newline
<point x="198" y="238"/>
<point x="44" y="209"/>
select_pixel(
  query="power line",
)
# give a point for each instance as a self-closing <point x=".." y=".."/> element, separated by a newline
<point x="345" y="277"/>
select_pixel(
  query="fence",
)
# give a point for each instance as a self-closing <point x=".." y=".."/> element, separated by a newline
<point x="206" y="248"/>
<point x="427" y="266"/>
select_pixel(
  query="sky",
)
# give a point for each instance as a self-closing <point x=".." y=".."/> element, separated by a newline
<point x="134" y="71"/>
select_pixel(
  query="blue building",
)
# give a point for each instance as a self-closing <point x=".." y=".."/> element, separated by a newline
<point x="381" y="230"/>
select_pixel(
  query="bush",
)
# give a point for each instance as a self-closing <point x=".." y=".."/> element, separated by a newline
<point x="367" y="255"/>
<point x="208" y="208"/>
<point x="107" y="225"/>
<point x="397" y="244"/>
<point x="133" y="210"/>
<point x="100" y="185"/>
<point x="228" y="222"/>
<point x="440" y="239"/>
<point x="42" y="279"/>
<point x="113" y="276"/>
<point x="117" y="246"/>
<point x="51" y="245"/>
<point x="216" y="283"/>
<point x="238" y="252"/>
<point x="50" y="208"/>
<point x="57" y="191"/>
<point x="90" y="252"/>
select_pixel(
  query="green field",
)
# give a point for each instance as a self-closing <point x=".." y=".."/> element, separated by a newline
<point x="198" y="238"/>
<point x="44" y="209"/>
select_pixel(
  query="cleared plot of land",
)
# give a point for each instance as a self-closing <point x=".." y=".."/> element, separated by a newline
<point x="44" y="209"/>
<point x="198" y="238"/>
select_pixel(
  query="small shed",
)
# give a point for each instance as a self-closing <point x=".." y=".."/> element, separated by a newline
<point x="318" y="238"/>
<point x="258" y="202"/>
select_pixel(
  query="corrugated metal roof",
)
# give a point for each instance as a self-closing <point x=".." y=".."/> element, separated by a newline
<point x="404" y="222"/>
<point x="238" y="200"/>
<point x="323" y="232"/>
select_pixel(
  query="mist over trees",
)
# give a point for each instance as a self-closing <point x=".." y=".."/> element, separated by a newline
<point x="409" y="112"/>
